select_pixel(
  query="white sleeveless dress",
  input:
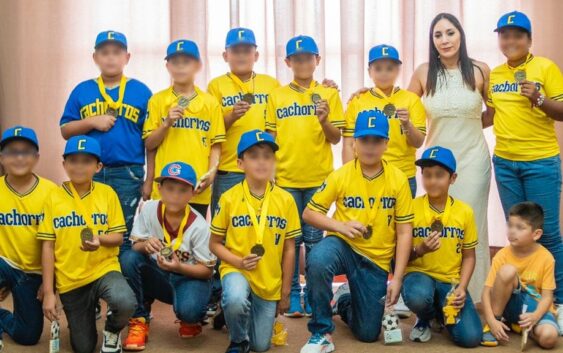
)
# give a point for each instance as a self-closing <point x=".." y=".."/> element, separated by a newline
<point x="454" y="122"/>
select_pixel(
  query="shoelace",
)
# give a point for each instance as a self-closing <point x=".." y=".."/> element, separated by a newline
<point x="136" y="328"/>
<point x="111" y="339"/>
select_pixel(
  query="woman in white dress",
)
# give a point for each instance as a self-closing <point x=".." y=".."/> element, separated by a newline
<point x="453" y="88"/>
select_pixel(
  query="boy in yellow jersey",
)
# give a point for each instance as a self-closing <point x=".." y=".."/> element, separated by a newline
<point x="21" y="210"/>
<point x="443" y="255"/>
<point x="525" y="97"/>
<point x="185" y="124"/>
<point x="407" y="118"/>
<point x="371" y="225"/>
<point x="81" y="232"/>
<point x="520" y="285"/>
<point x="306" y="118"/>
<point x="257" y="221"/>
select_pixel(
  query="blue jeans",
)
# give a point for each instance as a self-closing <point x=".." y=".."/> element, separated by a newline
<point x="538" y="181"/>
<point x="412" y="185"/>
<point x="249" y="317"/>
<point x="25" y="324"/>
<point x="426" y="297"/>
<point x="127" y="182"/>
<point x="310" y="235"/>
<point x="361" y="309"/>
<point x="223" y="182"/>
<point x="188" y="296"/>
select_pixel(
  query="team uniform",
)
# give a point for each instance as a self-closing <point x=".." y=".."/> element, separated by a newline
<point x="250" y="297"/>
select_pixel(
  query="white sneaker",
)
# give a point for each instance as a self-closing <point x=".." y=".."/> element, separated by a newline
<point x="401" y="309"/>
<point x="559" y="318"/>
<point x="1" y="345"/>
<point x="111" y="343"/>
<point x="319" y="344"/>
<point x="343" y="289"/>
<point x="421" y="332"/>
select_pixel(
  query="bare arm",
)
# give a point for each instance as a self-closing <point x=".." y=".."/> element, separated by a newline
<point x="48" y="270"/>
<point x="351" y="229"/>
<point x="111" y="240"/>
<point x="331" y="132"/>
<point x="84" y="126"/>
<point x="418" y="80"/>
<point x="288" y="267"/>
<point x="218" y="248"/>
<point x="239" y="109"/>
<point x="403" y="250"/>
<point x="467" y="267"/>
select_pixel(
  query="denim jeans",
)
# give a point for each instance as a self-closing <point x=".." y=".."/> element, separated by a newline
<point x="426" y="297"/>
<point x="223" y="182"/>
<point x="310" y="235"/>
<point x="249" y="317"/>
<point x="127" y="182"/>
<point x="361" y="309"/>
<point x="538" y="181"/>
<point x="412" y="185"/>
<point x="79" y="306"/>
<point x="25" y="324"/>
<point x="188" y="296"/>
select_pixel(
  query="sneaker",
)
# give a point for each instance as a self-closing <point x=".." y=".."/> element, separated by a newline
<point x="111" y="342"/>
<point x="488" y="340"/>
<point x="559" y="317"/>
<point x="343" y="289"/>
<point x="319" y="343"/>
<point x="421" y="331"/>
<point x="308" y="310"/>
<point x="437" y="326"/>
<point x="242" y="347"/>
<point x="189" y="330"/>
<point x="219" y="319"/>
<point x="212" y="309"/>
<point x="401" y="310"/>
<point x="138" y="335"/>
<point x="295" y="309"/>
<point x="1" y="345"/>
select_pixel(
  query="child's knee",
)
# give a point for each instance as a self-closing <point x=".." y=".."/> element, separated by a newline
<point x="546" y="336"/>
<point x="507" y="273"/>
<point x="235" y="304"/>
<point x="130" y="260"/>
<point x="191" y="312"/>
<point x="261" y="345"/>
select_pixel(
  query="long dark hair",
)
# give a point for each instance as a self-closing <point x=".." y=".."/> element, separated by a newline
<point x="435" y="66"/>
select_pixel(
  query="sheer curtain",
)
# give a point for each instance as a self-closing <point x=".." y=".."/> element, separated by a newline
<point x="46" y="47"/>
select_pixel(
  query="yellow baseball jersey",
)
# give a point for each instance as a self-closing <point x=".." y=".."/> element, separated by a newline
<point x="460" y="233"/>
<point x="346" y="187"/>
<point x="228" y="93"/>
<point x="399" y="152"/>
<point x="305" y="155"/>
<point x="62" y="224"/>
<point x="190" y="139"/>
<point x="232" y="221"/>
<point x="20" y="216"/>
<point x="524" y="133"/>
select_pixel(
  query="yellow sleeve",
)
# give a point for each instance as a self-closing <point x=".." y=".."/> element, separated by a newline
<point x="548" y="280"/>
<point x="336" y="115"/>
<point x="553" y="83"/>
<point x="116" y="221"/>
<point x="325" y="195"/>
<point x="470" y="239"/>
<point x="154" y="119"/>
<point x="293" y="220"/>
<point x="220" y="221"/>
<point x="271" y="114"/>
<point x="350" y="118"/>
<point x="217" y="131"/>
<point x="46" y="231"/>
<point x="489" y="101"/>
<point x="418" y="115"/>
<point x="213" y="89"/>
<point x="403" y="207"/>
<point x="498" y="261"/>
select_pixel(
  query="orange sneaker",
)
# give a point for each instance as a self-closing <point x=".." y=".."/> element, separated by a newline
<point x="138" y="335"/>
<point x="189" y="330"/>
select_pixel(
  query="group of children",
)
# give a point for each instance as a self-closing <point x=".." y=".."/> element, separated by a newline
<point x="83" y="241"/>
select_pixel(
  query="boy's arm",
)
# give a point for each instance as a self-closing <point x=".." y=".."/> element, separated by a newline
<point x="532" y="318"/>
<point x="111" y="240"/>
<point x="247" y="263"/>
<point x="155" y="138"/>
<point x="80" y="127"/>
<point x="498" y="328"/>
<point x="199" y="271"/>
<point x="149" y="179"/>
<point x="48" y="265"/>
<point x="209" y="177"/>
<point x="288" y="267"/>
<point x="351" y="229"/>
<point x="402" y="254"/>
<point x="467" y="267"/>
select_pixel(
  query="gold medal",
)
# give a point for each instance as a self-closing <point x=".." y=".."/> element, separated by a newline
<point x="86" y="234"/>
<point x="437" y="226"/>
<point x="258" y="250"/>
<point x="248" y="98"/>
<point x="389" y="110"/>
<point x="316" y="98"/>
<point x="112" y="112"/>
<point x="520" y="76"/>
<point x="368" y="233"/>
<point x="166" y="252"/>
<point x="183" y="102"/>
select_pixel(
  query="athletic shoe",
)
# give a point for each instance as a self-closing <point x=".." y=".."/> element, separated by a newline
<point x="295" y="309"/>
<point x="138" y="335"/>
<point x="242" y="347"/>
<point x="488" y="340"/>
<point x="319" y="343"/>
<point x="189" y="330"/>
<point x="343" y="289"/>
<point x="111" y="342"/>
<point x="421" y="331"/>
<point x="401" y="309"/>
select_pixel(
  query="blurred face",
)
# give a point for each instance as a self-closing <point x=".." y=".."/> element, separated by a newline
<point x="514" y="43"/>
<point x="183" y="68"/>
<point x="19" y="158"/>
<point x="258" y="162"/>
<point x="447" y="39"/>
<point x="384" y="72"/>
<point x="520" y="232"/>
<point x="241" y="58"/>
<point x="437" y="180"/>
<point x="175" y="194"/>
<point x="370" y="149"/>
<point x="81" y="168"/>
<point x="303" y="65"/>
<point x="111" y="58"/>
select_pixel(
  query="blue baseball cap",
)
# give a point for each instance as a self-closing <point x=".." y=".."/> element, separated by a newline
<point x="238" y="36"/>
<point x="110" y="37"/>
<point x="383" y="51"/>
<point x="301" y="45"/>
<point x="514" y="19"/>
<point x="83" y="144"/>
<point x="179" y="171"/>
<point x="437" y="155"/>
<point x="255" y="137"/>
<point x="19" y="132"/>
<point x="372" y="123"/>
<point x="182" y="47"/>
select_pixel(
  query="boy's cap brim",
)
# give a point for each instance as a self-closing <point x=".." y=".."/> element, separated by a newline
<point x="160" y="179"/>
<point x="168" y="57"/>
<point x="498" y="29"/>
<point x="241" y="42"/>
<point x="367" y="133"/>
<point x="111" y="41"/>
<point x="4" y="142"/>
<point x="81" y="152"/>
<point x="272" y="145"/>
<point x="432" y="163"/>
<point x="387" y="58"/>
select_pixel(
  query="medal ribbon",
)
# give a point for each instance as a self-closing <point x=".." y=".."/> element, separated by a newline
<point x="180" y="237"/>
<point x="258" y="226"/>
<point x="303" y="89"/>
<point x="191" y="99"/>
<point x="386" y="98"/>
<point x="111" y="103"/>
<point x="372" y="210"/>
<point x="80" y="205"/>
<point x="239" y="82"/>
<point x="443" y="217"/>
